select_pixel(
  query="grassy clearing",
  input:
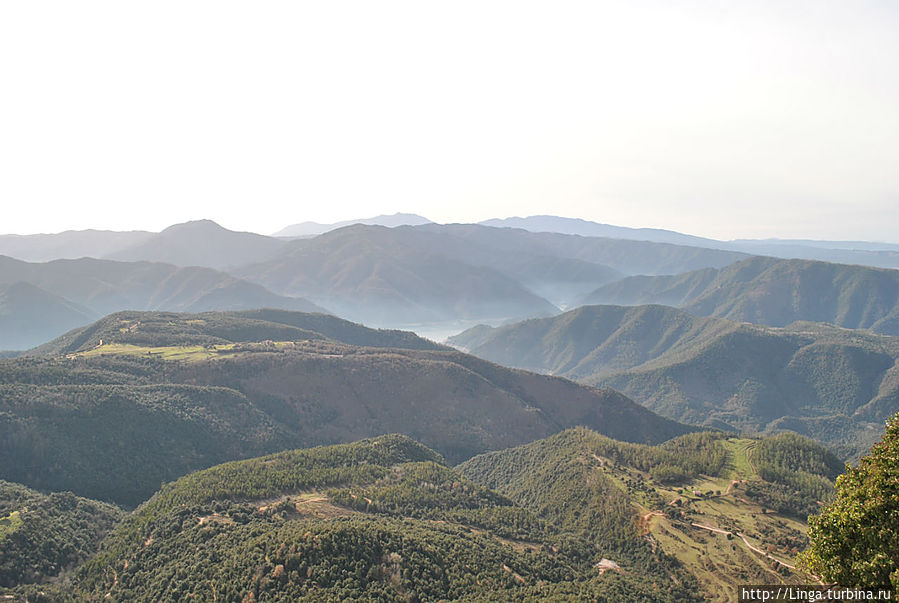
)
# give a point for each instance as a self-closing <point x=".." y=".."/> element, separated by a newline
<point x="9" y="524"/>
<point x="720" y="562"/>
<point x="188" y="353"/>
<point x="739" y="451"/>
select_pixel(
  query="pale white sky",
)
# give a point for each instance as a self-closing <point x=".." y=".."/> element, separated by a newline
<point x="724" y="119"/>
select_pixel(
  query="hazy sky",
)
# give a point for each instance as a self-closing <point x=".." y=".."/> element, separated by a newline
<point x="724" y="119"/>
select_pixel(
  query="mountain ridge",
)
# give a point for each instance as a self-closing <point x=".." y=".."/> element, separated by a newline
<point x="771" y="291"/>
<point x="832" y="384"/>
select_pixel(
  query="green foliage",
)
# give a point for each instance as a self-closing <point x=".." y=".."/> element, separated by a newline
<point x="557" y="480"/>
<point x="425" y="533"/>
<point x="818" y="380"/>
<point x="114" y="426"/>
<point x="43" y="535"/>
<point x="772" y="291"/>
<point x="797" y="474"/>
<point x="855" y="539"/>
<point x="118" y="443"/>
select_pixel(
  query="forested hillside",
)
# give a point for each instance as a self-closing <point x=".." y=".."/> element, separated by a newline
<point x="43" y="536"/>
<point x="731" y="510"/>
<point x="167" y="394"/>
<point x="377" y="519"/>
<point x="772" y="292"/>
<point x="833" y="384"/>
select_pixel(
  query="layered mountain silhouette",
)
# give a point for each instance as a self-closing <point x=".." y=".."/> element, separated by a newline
<point x="444" y="272"/>
<point x="586" y="228"/>
<point x="307" y="229"/>
<point x="29" y="315"/>
<point x="63" y="294"/>
<point x="880" y="255"/>
<point x="832" y="384"/>
<point x="200" y="243"/>
<point x="71" y="244"/>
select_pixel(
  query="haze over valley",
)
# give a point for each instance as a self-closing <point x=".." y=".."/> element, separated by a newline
<point x="449" y="302"/>
<point x="172" y="352"/>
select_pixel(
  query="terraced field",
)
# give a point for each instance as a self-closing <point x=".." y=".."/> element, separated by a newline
<point x="722" y="537"/>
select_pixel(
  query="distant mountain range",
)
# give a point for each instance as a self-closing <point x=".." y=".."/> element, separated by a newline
<point x="308" y="229"/>
<point x="50" y="298"/>
<point x="222" y="248"/>
<point x="880" y="255"/>
<point x="437" y="272"/>
<point x="200" y="243"/>
<point x="586" y="228"/>
<point x="432" y="274"/>
<point x="69" y="245"/>
<point x="832" y="384"/>
<point x="29" y="315"/>
<point x="771" y="292"/>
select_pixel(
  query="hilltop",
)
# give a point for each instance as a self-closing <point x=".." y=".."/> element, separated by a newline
<point x="200" y="243"/>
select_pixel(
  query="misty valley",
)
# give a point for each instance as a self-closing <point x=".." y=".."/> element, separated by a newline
<point x="531" y="409"/>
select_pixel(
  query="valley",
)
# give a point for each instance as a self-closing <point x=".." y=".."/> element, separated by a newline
<point x="658" y="452"/>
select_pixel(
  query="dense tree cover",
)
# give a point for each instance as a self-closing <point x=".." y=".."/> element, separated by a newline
<point x="771" y="291"/>
<point x="114" y="426"/>
<point x="556" y="479"/>
<point x="690" y="454"/>
<point x="43" y="535"/>
<point x="798" y="474"/>
<point x="242" y="531"/>
<point x="385" y="519"/>
<point x="854" y="541"/>
<point x="591" y="487"/>
<point x="818" y="380"/>
<point x="119" y="443"/>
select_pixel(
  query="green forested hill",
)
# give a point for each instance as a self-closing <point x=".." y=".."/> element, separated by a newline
<point x="158" y="329"/>
<point x="577" y="516"/>
<point x="833" y="384"/>
<point x="43" y="536"/>
<point x="730" y="510"/>
<point x="120" y="442"/>
<point x="379" y="519"/>
<point x="772" y="292"/>
<point x="592" y="341"/>
<point x="113" y="421"/>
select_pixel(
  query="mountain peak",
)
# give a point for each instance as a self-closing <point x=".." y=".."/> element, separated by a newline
<point x="194" y="225"/>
